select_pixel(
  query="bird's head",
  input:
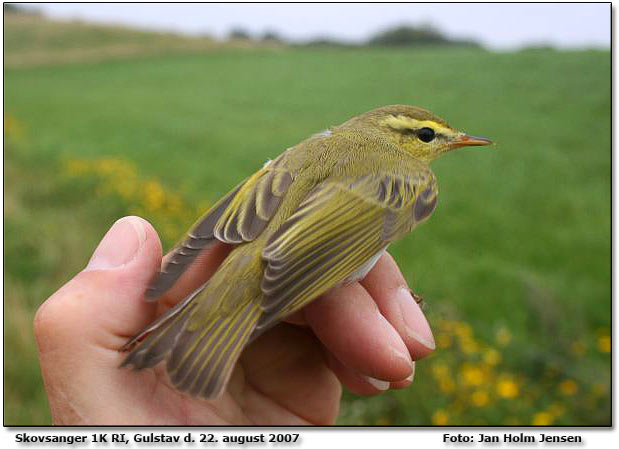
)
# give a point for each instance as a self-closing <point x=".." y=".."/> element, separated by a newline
<point x="415" y="130"/>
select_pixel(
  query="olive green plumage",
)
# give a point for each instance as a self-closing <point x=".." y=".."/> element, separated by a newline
<point x="317" y="216"/>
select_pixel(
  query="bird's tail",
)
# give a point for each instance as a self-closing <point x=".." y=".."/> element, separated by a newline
<point x="200" y="353"/>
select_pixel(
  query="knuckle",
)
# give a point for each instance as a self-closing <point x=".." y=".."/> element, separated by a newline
<point x="52" y="315"/>
<point x="46" y="315"/>
<point x="43" y="324"/>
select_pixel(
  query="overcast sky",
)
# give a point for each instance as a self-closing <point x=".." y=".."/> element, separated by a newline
<point x="499" y="26"/>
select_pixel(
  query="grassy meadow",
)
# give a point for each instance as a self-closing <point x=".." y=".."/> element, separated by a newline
<point x="514" y="265"/>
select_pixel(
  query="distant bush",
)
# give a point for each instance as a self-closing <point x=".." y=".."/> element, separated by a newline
<point x="8" y="7"/>
<point x="271" y="36"/>
<point x="407" y="35"/>
<point x="326" y="41"/>
<point x="239" y="34"/>
<point x="12" y="8"/>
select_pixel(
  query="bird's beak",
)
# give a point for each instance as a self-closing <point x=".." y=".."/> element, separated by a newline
<point x="464" y="140"/>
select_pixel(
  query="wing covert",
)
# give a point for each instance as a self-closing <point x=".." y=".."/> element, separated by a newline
<point x="336" y="229"/>
<point x="238" y="217"/>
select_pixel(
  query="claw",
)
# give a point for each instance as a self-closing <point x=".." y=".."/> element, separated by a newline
<point x="418" y="299"/>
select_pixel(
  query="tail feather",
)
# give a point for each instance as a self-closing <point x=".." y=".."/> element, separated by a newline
<point x="200" y="359"/>
<point x="154" y="343"/>
<point x="184" y="362"/>
<point x="202" y="338"/>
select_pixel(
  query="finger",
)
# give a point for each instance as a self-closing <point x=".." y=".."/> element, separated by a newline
<point x="400" y="384"/>
<point x="360" y="384"/>
<point x="388" y="288"/>
<point x="104" y="303"/>
<point x="349" y="324"/>
<point x="297" y="318"/>
<point x="287" y="365"/>
<point x="197" y="274"/>
<point x="80" y="328"/>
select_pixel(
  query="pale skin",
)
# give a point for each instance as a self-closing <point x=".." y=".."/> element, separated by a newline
<point x="365" y="336"/>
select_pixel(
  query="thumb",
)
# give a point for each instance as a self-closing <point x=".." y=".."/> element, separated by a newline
<point x="103" y="304"/>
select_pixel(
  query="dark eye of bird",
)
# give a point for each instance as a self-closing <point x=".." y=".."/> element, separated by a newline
<point x="426" y="134"/>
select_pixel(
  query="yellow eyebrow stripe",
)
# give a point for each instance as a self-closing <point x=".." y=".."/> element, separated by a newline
<point x="404" y="122"/>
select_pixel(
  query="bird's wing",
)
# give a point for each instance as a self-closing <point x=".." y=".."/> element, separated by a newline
<point x="338" y="228"/>
<point x="238" y="217"/>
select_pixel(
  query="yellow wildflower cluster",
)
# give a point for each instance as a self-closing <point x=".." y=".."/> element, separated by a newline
<point x="480" y="398"/>
<point x="568" y="387"/>
<point x="145" y="197"/>
<point x="507" y="388"/>
<point x="440" y="418"/>
<point x="603" y="343"/>
<point x="468" y="372"/>
<point x="549" y="416"/>
<point x="471" y="376"/>
<point x="542" y="419"/>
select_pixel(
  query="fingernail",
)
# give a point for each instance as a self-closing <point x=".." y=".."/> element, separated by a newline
<point x="412" y="376"/>
<point x="119" y="246"/>
<point x="376" y="383"/>
<point x="415" y="321"/>
<point x="397" y="353"/>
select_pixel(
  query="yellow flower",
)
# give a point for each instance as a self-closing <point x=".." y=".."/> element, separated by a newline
<point x="153" y="195"/>
<point x="125" y="188"/>
<point x="507" y="389"/>
<point x="480" y="398"/>
<point x="148" y="198"/>
<point x="76" y="167"/>
<point x="491" y="357"/>
<point x="568" y="387"/>
<point x="542" y="419"/>
<point x="446" y="385"/>
<point x="604" y="343"/>
<point x="463" y="330"/>
<point x="472" y="375"/>
<point x="468" y="345"/>
<point x="443" y="341"/>
<point x="175" y="204"/>
<point x="440" y="369"/>
<point x="503" y="336"/>
<point x="107" y="166"/>
<point x="440" y="418"/>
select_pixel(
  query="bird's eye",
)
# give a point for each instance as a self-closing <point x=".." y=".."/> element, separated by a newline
<point x="426" y="134"/>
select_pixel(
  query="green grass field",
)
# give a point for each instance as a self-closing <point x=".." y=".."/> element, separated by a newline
<point x="514" y="264"/>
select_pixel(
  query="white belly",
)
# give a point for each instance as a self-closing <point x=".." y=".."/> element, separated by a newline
<point x="364" y="269"/>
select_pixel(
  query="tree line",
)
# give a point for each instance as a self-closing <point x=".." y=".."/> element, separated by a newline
<point x="398" y="36"/>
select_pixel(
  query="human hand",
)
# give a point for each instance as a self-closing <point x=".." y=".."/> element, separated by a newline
<point x="355" y="334"/>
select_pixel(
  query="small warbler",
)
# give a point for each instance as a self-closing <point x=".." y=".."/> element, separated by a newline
<point x="318" y="216"/>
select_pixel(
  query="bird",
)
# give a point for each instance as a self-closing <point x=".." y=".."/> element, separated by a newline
<point x="318" y="216"/>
